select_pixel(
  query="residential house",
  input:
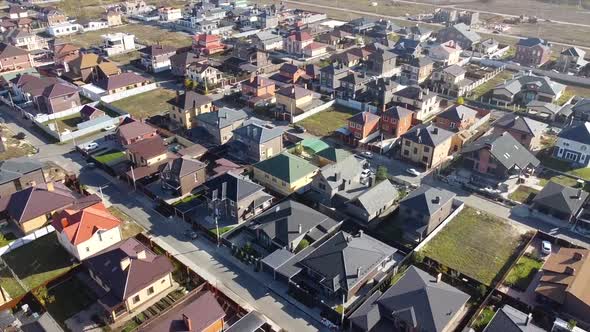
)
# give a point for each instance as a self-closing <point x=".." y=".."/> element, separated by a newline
<point x="548" y="111"/>
<point x="135" y="131"/>
<point x="117" y="43"/>
<point x="373" y="203"/>
<point x="421" y="101"/>
<point x="85" y="231"/>
<point x="207" y="44"/>
<point x="204" y="74"/>
<point x="396" y="121"/>
<point x="416" y="32"/>
<point x="234" y="199"/>
<point x="285" y="173"/>
<point x="88" y="113"/>
<point x="353" y="85"/>
<point x="564" y="276"/>
<point x="427" y="146"/>
<point x="289" y="74"/>
<point x="380" y="91"/>
<point x="487" y="47"/>
<point x="292" y="101"/>
<point x="156" y="58"/>
<point x="462" y="34"/>
<point x="571" y="60"/>
<point x="259" y="91"/>
<point x="498" y="156"/>
<point x="17" y="174"/>
<point x="572" y="144"/>
<point x="526" y="131"/>
<point x="451" y="81"/>
<point x="63" y="29"/>
<point x="523" y="89"/>
<point x="417" y="302"/>
<point x="169" y="14"/>
<point x="135" y="7"/>
<point x="407" y="49"/>
<point x="200" y="312"/>
<point x="510" y="319"/>
<point x="90" y="67"/>
<point x="336" y="177"/>
<point x="350" y="58"/>
<point x="122" y="82"/>
<point x="89" y="24"/>
<point x="16" y="12"/>
<point x="267" y="40"/>
<point x="336" y="38"/>
<point x="112" y="17"/>
<point x="338" y="268"/>
<point x="331" y="75"/>
<point x="532" y="52"/>
<point x="25" y="40"/>
<point x="33" y="207"/>
<point x="359" y="25"/>
<point x="14" y="58"/>
<point x="186" y="107"/>
<point x="362" y="128"/>
<point x="287" y="224"/>
<point x="222" y="123"/>
<point x="560" y="202"/>
<point x="581" y="109"/>
<point x="58" y="97"/>
<point x="382" y="63"/>
<point x="257" y="141"/>
<point x="301" y="44"/>
<point x="331" y="155"/>
<point x="416" y="70"/>
<point x="447" y="53"/>
<point x="131" y="275"/>
<point x="182" y="175"/>
<point x="50" y="16"/>
<point x="424" y="209"/>
<point x="457" y="118"/>
<point x="147" y="152"/>
<point x="181" y="61"/>
<point x="64" y="53"/>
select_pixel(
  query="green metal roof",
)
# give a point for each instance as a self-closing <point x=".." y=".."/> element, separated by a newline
<point x="334" y="154"/>
<point x="314" y="144"/>
<point x="286" y="167"/>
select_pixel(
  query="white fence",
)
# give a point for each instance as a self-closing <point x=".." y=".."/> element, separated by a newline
<point x="357" y="105"/>
<point x="27" y="239"/>
<point x="440" y="227"/>
<point x="129" y="93"/>
<point x="312" y="111"/>
<point x="41" y="118"/>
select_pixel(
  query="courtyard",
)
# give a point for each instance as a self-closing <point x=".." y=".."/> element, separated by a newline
<point x="147" y="104"/>
<point x="326" y="122"/>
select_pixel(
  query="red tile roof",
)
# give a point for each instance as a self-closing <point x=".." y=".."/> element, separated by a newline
<point x="80" y="225"/>
<point x="300" y="36"/>
<point x="206" y="38"/>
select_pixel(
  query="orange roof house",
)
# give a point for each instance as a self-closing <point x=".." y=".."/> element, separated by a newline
<point x="86" y="231"/>
<point x="207" y="44"/>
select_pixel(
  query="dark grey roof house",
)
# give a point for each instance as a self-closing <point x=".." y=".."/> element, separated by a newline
<point x="257" y="140"/>
<point x="373" y="202"/>
<point x="418" y="301"/>
<point x="19" y="173"/>
<point x="509" y="319"/>
<point x="562" y="202"/>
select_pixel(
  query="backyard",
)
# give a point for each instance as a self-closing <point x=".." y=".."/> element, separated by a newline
<point x="522" y="193"/>
<point x="69" y="122"/>
<point x="326" y="122"/>
<point x="109" y="157"/>
<point x="40" y="261"/>
<point x="483" y="89"/>
<point x="523" y="272"/>
<point x="70" y="297"/>
<point x="564" y="167"/>
<point x="146" y="104"/>
<point x="472" y="238"/>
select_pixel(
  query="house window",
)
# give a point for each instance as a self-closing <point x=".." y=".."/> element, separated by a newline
<point x="406" y="152"/>
<point x="453" y="125"/>
<point x="87" y="249"/>
<point x="150" y="290"/>
<point x="232" y="203"/>
<point x="196" y="178"/>
<point x="415" y="150"/>
<point x="425" y="159"/>
<point x="426" y="149"/>
<point x="407" y="143"/>
<point x="136" y="299"/>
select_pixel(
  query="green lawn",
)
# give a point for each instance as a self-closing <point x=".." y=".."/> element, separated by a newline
<point x="67" y="122"/>
<point x="523" y="272"/>
<point x="9" y="284"/>
<point x="39" y="261"/>
<point x="489" y="85"/>
<point x="326" y="122"/>
<point x="110" y="157"/>
<point x="476" y="244"/>
<point x="146" y="104"/>
<point x="186" y="199"/>
<point x="562" y="166"/>
<point x="222" y="230"/>
<point x="522" y="193"/>
<point x="484" y="318"/>
<point x="71" y="296"/>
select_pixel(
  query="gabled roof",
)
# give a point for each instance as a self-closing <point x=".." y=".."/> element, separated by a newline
<point x="294" y="92"/>
<point x="80" y="225"/>
<point x="148" y="148"/>
<point x="574" y="51"/>
<point x="364" y="118"/>
<point x="356" y="78"/>
<point x="530" y="42"/>
<point x="88" y="110"/>
<point x="259" y="131"/>
<point x="505" y="149"/>
<point x="543" y="83"/>
<point x="458" y="113"/>
<point x="184" y="59"/>
<point x="541" y="105"/>
<point x="398" y="112"/>
<point x="300" y="36"/>
<point x="520" y="123"/>
<point x="258" y="82"/>
<point x="561" y="198"/>
<point x="65" y="48"/>
<point x="223" y="117"/>
<point x="190" y="100"/>
<point x="120" y="81"/>
<point x="509" y="319"/>
<point x="58" y="90"/>
<point x="377" y="197"/>
<point x="344" y="260"/>
<point x="267" y="35"/>
<point x="289" y="68"/>
<point x="9" y="51"/>
<point x="427" y="199"/>
<point x="346" y="169"/>
<point x="455" y="70"/>
<point x="334" y="154"/>
<point x="428" y="135"/>
<point x="286" y="167"/>
<point x="134" y="129"/>
<point x="13" y="169"/>
<point x="415" y="92"/>
<point x="236" y="187"/>
<point x="578" y="133"/>
<point x="184" y="166"/>
<point x="145" y="267"/>
<point x="467" y="32"/>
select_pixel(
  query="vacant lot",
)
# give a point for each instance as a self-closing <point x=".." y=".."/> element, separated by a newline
<point x="146" y="104"/>
<point x="71" y="297"/>
<point x="129" y="227"/>
<point x="94" y="8"/>
<point x="326" y="122"/>
<point x="483" y="89"/>
<point x="144" y="34"/>
<point x="39" y="261"/>
<point x="476" y="244"/>
<point x="14" y="148"/>
<point x="523" y="272"/>
<point x="522" y="193"/>
<point x="69" y="122"/>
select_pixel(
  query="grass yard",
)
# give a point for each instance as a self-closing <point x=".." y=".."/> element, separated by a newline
<point x="562" y="166"/>
<point x="71" y="297"/>
<point x="483" y="89"/>
<point x="476" y="244"/>
<point x="523" y="272"/>
<point x="222" y="230"/>
<point x="186" y="199"/>
<point x="125" y="58"/>
<point x="326" y="122"/>
<point x="110" y="157"/>
<point x="522" y="193"/>
<point x="14" y="148"/>
<point x="67" y="122"/>
<point x="484" y="318"/>
<point x="9" y="284"/>
<point x="39" y="261"/>
<point x="129" y="227"/>
<point x="146" y="104"/>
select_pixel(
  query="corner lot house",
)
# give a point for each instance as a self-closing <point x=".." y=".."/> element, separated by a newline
<point x="572" y="145"/>
<point x="560" y="202"/>
<point x="130" y="275"/>
<point x="427" y="146"/>
<point x="84" y="232"/>
<point x="19" y="173"/>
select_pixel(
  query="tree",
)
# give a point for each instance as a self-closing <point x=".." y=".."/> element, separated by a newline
<point x="460" y="101"/>
<point x="188" y="83"/>
<point x="298" y="149"/>
<point x="382" y="173"/>
<point x="482" y="290"/>
<point x="43" y="296"/>
<point x="302" y="245"/>
<point x="417" y="257"/>
<point x="571" y="324"/>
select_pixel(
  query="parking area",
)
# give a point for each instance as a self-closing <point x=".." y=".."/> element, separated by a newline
<point x="398" y="169"/>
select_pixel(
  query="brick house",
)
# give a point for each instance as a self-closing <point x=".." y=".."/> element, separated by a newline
<point x="396" y="121"/>
<point x="362" y="127"/>
<point x="207" y="44"/>
<point x="58" y="97"/>
<point x="156" y="58"/>
<point x="427" y="146"/>
<point x="258" y="90"/>
<point x="135" y="131"/>
<point x="532" y="52"/>
<point x="526" y="131"/>
<point x="186" y="107"/>
<point x="14" y="59"/>
<point x="19" y="173"/>
<point x="456" y="118"/>
<point x="122" y="82"/>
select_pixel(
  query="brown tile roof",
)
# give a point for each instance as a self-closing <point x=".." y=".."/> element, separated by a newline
<point x="294" y="92"/>
<point x="108" y="68"/>
<point x="566" y="271"/>
<point x="190" y="100"/>
<point x="8" y="51"/>
<point x="134" y="129"/>
<point x="156" y="50"/>
<point x="88" y="111"/>
<point x="148" y="148"/>
<point x="59" y="89"/>
<point x="34" y="85"/>
<point x="120" y="81"/>
<point x="79" y="225"/>
<point x="258" y="82"/>
<point x="62" y="49"/>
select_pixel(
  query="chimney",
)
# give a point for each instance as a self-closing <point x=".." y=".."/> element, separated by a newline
<point x="436" y="200"/>
<point x="570" y="270"/>
<point x="177" y="96"/>
<point x="438" y="278"/>
<point x="348" y="238"/>
<point x="64" y="222"/>
<point x="142" y="254"/>
<point x="579" y="194"/>
<point x="361" y="233"/>
<point x="50" y="186"/>
<point x="299" y="229"/>
<point x="223" y="190"/>
<point x="125" y="262"/>
<point x="194" y="104"/>
<point x="529" y="317"/>
<point x="187" y="322"/>
<point x="578" y="256"/>
<point x="358" y="271"/>
<point x="435" y="130"/>
<point x="337" y="176"/>
<point x="343" y="184"/>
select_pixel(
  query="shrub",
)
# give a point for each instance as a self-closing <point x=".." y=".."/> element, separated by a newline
<point x="302" y="245"/>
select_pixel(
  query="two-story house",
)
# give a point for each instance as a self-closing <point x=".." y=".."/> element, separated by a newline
<point x="285" y="173"/>
<point x="221" y="124"/>
<point x="461" y="33"/>
<point x="14" y="59"/>
<point x="451" y="81"/>
<point x="156" y="58"/>
<point x="331" y="75"/>
<point x="259" y="91"/>
<point x="416" y="70"/>
<point x="179" y="62"/>
<point x="187" y="106"/>
<point x="204" y="74"/>
<point x="58" y="97"/>
<point x="524" y="88"/>
<point x="571" y="60"/>
<point x="147" y="152"/>
<point x="182" y="175"/>
<point x="362" y="128"/>
<point x="135" y="131"/>
<point x="301" y="44"/>
<point x="532" y="52"/>
<point x="113" y="17"/>
<point x="340" y="176"/>
<point x="456" y="118"/>
<point x="19" y="173"/>
<point x="292" y="101"/>
<point x="396" y="121"/>
<point x="267" y="40"/>
<point x="573" y="145"/>
<point x="380" y="91"/>
<point x="169" y="14"/>
<point x="526" y="131"/>
<point x="50" y="16"/>
<point x="352" y="85"/>
<point x="427" y="146"/>
<point x="447" y="53"/>
<point x="382" y="63"/>
<point x="207" y="44"/>
<point x="257" y="140"/>
<point x="421" y="101"/>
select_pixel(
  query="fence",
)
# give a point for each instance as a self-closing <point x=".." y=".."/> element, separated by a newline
<point x="84" y="128"/>
<point x="312" y="111"/>
<point x="41" y="118"/>
<point x="128" y="93"/>
<point x="356" y="105"/>
<point x="27" y="239"/>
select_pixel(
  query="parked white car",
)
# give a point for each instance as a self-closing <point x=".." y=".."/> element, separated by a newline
<point x="412" y="171"/>
<point x="110" y="127"/>
<point x="546" y="248"/>
<point x="90" y="146"/>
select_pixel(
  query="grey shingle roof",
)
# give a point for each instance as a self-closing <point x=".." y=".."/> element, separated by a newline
<point x="561" y="198"/>
<point x="377" y="196"/>
<point x="418" y="300"/>
<point x="508" y="319"/>
<point x="545" y="84"/>
<point x="398" y="112"/>
<point x="347" y="169"/>
<point x="259" y="131"/>
<point x="574" y="51"/>
<point x="428" y="135"/>
<point x="530" y="42"/>
<point x="237" y="187"/>
<point x="550" y="107"/>
<point x="521" y="124"/>
<point x="578" y="133"/>
<point x="427" y="199"/>
<point x="467" y="32"/>
<point x="506" y="150"/>
<point x="13" y="169"/>
<point x="224" y="117"/>
<point x="458" y="113"/>
<point x="455" y="70"/>
<point x="190" y="100"/>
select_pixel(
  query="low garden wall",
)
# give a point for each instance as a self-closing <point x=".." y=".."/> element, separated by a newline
<point x="128" y="93"/>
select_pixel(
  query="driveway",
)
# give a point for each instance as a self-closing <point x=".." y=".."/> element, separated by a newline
<point x="397" y="169"/>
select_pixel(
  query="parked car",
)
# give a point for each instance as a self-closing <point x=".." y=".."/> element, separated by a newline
<point x="191" y="235"/>
<point x="90" y="146"/>
<point x="365" y="173"/>
<point x="109" y="127"/>
<point x="546" y="247"/>
<point x="300" y="129"/>
<point x="367" y="154"/>
<point x="412" y="171"/>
